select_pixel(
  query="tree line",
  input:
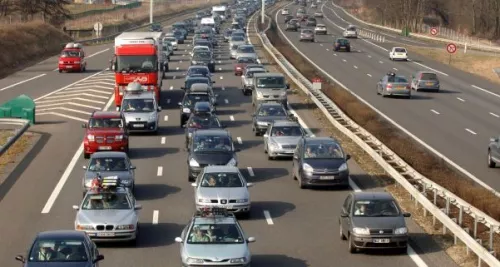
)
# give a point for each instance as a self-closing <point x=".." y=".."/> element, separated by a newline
<point x="52" y="11"/>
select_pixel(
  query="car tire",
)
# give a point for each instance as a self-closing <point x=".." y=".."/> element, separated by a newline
<point x="491" y="163"/>
<point x="265" y="149"/>
<point x="342" y="236"/>
<point x="350" y="245"/>
<point x="86" y="155"/>
<point x="299" y="181"/>
<point x="60" y="70"/>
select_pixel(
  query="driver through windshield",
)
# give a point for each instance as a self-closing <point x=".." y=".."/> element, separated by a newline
<point x="212" y="143"/>
<point x="136" y="64"/>
<point x="138" y="105"/>
<point x="106" y="201"/>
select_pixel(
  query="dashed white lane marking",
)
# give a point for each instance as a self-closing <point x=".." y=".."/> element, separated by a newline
<point x="334" y="54"/>
<point x="160" y="171"/>
<point x="171" y="87"/>
<point x="168" y="101"/>
<point x="395" y="69"/>
<point x="177" y="68"/>
<point x="174" y="77"/>
<point x="486" y="91"/>
<point x="381" y="62"/>
<point x="250" y="171"/>
<point x="470" y="131"/>
<point x="435" y="112"/>
<point x="23" y="81"/>
<point x="239" y="140"/>
<point x="269" y="220"/>
<point x="369" y="75"/>
<point x="183" y="55"/>
<point x="343" y="60"/>
<point x="165" y="118"/>
<point x="321" y="44"/>
<point x="460" y="99"/>
<point x="494" y="115"/>
<point x="156" y="214"/>
<point x="221" y="77"/>
<point x="163" y="140"/>
<point x="327" y="49"/>
<point x="180" y="61"/>
<point x="226" y="101"/>
<point x="220" y="69"/>
<point x="369" y="56"/>
<point x="355" y="66"/>
<point x="231" y="118"/>
<point x="219" y="62"/>
<point x="223" y="88"/>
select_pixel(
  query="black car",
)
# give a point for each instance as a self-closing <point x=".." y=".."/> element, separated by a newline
<point x="204" y="59"/>
<point x="342" y="44"/>
<point x="227" y="35"/>
<point x="288" y="18"/>
<point x="196" y="78"/>
<point x="189" y="101"/>
<point x="311" y="22"/>
<point x="156" y="28"/>
<point x="201" y="120"/>
<point x="292" y="25"/>
<point x="210" y="147"/>
<point x="265" y="114"/>
<point x="179" y="35"/>
<point x="320" y="161"/>
<point x="203" y="42"/>
<point x="62" y="248"/>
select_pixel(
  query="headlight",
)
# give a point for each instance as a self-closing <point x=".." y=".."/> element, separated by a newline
<point x="343" y="167"/>
<point x="193" y="163"/>
<point x="283" y="94"/>
<point x="259" y="94"/>
<point x="186" y="110"/>
<point x="83" y="227"/>
<point x="273" y="145"/>
<point x="125" y="227"/>
<point x="61" y="62"/>
<point x="361" y="231"/>
<point x="88" y="183"/>
<point x="152" y="117"/>
<point x="204" y="200"/>
<point x="193" y="62"/>
<point x="401" y="231"/>
<point x="244" y="200"/>
<point x="118" y="137"/>
<point x="90" y="137"/>
<point x="238" y="260"/>
<point x="193" y="260"/>
<point x="262" y="123"/>
<point x="307" y="168"/>
<point x="232" y="162"/>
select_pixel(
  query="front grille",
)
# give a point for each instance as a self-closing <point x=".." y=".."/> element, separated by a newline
<point x="224" y="260"/>
<point x="326" y="170"/>
<point x="289" y="146"/>
<point x="380" y="231"/>
<point x="99" y="139"/>
<point x="104" y="227"/>
<point x="276" y="96"/>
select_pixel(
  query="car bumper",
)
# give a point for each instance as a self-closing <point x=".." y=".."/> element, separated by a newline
<point x="76" y="67"/>
<point x="142" y="127"/>
<point x="280" y="152"/>
<point x="326" y="179"/>
<point x="400" y="57"/>
<point x="428" y="87"/>
<point x="93" y="147"/>
<point x="215" y="264"/>
<point x="117" y="236"/>
<point x="320" y="32"/>
<point x="231" y="207"/>
<point x="307" y="38"/>
<point x="368" y="242"/>
<point x="350" y="35"/>
<point x="238" y="72"/>
<point x="405" y="92"/>
<point x="282" y="101"/>
<point x="345" y="48"/>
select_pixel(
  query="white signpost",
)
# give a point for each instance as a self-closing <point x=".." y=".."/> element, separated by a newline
<point x="98" y="29"/>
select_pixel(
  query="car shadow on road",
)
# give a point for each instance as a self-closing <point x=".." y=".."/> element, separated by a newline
<point x="151" y="152"/>
<point x="277" y="261"/>
<point x="265" y="174"/>
<point x="222" y="112"/>
<point x="413" y="97"/>
<point x="145" y="192"/>
<point x="49" y="122"/>
<point x="368" y="182"/>
<point x="248" y="144"/>
<point x="275" y="208"/>
<point x="158" y="235"/>
<point x="237" y="123"/>
<point x="441" y="91"/>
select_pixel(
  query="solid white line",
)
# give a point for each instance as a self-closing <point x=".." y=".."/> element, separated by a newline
<point x="470" y="131"/>
<point x="66" y="109"/>
<point x="369" y="74"/>
<point x="239" y="140"/>
<point x="268" y="217"/>
<point x="415" y="257"/>
<point x="69" y="92"/>
<point x="231" y="118"/>
<point x="250" y="171"/>
<point x="97" y="53"/>
<point x="160" y="171"/>
<point x="163" y="140"/>
<point x="226" y="101"/>
<point x="62" y="115"/>
<point x="486" y="91"/>
<point x="69" y="103"/>
<point x="369" y="56"/>
<point x="355" y="67"/>
<point x="460" y="99"/>
<point x="70" y="99"/>
<point x="165" y="118"/>
<point x="344" y="60"/>
<point x="77" y="94"/>
<point x="23" y="81"/>
<point x="494" y="115"/>
<point x="435" y="112"/>
<point x="155" y="216"/>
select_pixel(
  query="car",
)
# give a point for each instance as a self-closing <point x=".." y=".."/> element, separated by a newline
<point x="105" y="131"/>
<point x="173" y="41"/>
<point x="494" y="152"/>
<point x="227" y="34"/>
<point x="288" y="18"/>
<point x="311" y="22"/>
<point x="313" y="5"/>
<point x="246" y="51"/>
<point x="62" y="248"/>
<point x="373" y="220"/>
<point x="197" y="78"/>
<point x="240" y="64"/>
<point x="425" y="80"/>
<point x="306" y="35"/>
<point x="72" y="58"/>
<point x="342" y="44"/>
<point x="292" y="25"/>
<point x="156" y="28"/>
<point x="398" y="53"/>
<point x="236" y="26"/>
<point x="179" y="35"/>
<point x="201" y="118"/>
<point x="224" y="187"/>
<point x="203" y="42"/>
<point x="210" y="147"/>
<point x="267" y="113"/>
<point x="285" y="11"/>
<point x="203" y="58"/>
<point x="108" y="213"/>
<point x="222" y="237"/>
<point x="394" y="85"/>
<point x="247" y="79"/>
<point x="318" y="14"/>
<point x="199" y="48"/>
<point x="140" y="109"/>
<point x="320" y="161"/>
<point x="197" y="70"/>
<point x="188" y="103"/>
<point x="350" y="32"/>
<point x="204" y="88"/>
<point x="167" y="50"/>
<point x="270" y="87"/>
<point x="320" y="29"/>
<point x="282" y="137"/>
<point x="109" y="164"/>
<point x="302" y="17"/>
<point x="235" y="42"/>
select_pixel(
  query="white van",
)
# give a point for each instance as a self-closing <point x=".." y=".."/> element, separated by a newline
<point x="208" y="22"/>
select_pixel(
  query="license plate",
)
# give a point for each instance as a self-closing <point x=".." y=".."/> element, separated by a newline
<point x="327" y="177"/>
<point x="104" y="148"/>
<point x="69" y="67"/>
<point x="289" y="151"/>
<point x="429" y="84"/>
<point x="400" y="87"/>
<point x="106" y="234"/>
<point x="382" y="241"/>
<point x="138" y="125"/>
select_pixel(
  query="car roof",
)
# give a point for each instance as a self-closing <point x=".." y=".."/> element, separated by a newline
<point x="106" y="114"/>
<point x="269" y="74"/>
<point x="197" y="76"/>
<point x="372" y="195"/>
<point x="271" y="104"/>
<point x="320" y="25"/>
<point x="57" y="234"/>
<point x="199" y="87"/>
<point x="218" y="219"/>
<point x="220" y="132"/>
<point x="285" y="123"/>
<point x="320" y="140"/>
<point x="214" y="169"/>
<point x="142" y="95"/>
<point x="105" y="154"/>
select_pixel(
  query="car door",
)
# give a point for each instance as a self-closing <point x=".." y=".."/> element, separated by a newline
<point x="495" y="148"/>
<point x="345" y="221"/>
<point x="295" y="161"/>
<point x="266" y="136"/>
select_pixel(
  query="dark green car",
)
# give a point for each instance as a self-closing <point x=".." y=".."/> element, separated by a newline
<point x="342" y="44"/>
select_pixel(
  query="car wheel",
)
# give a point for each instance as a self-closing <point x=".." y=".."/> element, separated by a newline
<point x="491" y="163"/>
<point x="301" y="185"/>
<point x="341" y="234"/>
<point x="265" y="149"/>
<point x="86" y="155"/>
<point x="350" y="246"/>
<point x="60" y="70"/>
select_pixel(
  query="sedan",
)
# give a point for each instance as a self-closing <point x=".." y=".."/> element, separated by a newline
<point x="288" y="18"/>
<point x="306" y="35"/>
<point x="394" y="85"/>
<point x="425" y="80"/>
<point x="494" y="152"/>
<point x="320" y="29"/>
<point x="342" y="44"/>
<point x="311" y="22"/>
<point x="318" y="14"/>
<point x="241" y="62"/>
<point x="373" y="220"/>
<point x="267" y="113"/>
<point x="281" y="138"/>
<point x="285" y="11"/>
<point x="247" y="51"/>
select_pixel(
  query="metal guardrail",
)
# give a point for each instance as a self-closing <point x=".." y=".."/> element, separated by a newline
<point x="18" y="133"/>
<point x="393" y="165"/>
<point x="421" y="36"/>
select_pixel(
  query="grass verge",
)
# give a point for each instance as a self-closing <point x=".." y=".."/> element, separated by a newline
<point x="420" y="159"/>
<point x="15" y="150"/>
<point x="80" y="8"/>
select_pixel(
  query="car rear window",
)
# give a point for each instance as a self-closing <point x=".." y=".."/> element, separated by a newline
<point x="400" y="50"/>
<point x="428" y="76"/>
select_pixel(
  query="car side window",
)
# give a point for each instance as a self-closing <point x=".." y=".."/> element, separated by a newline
<point x="349" y="205"/>
<point x="298" y="149"/>
<point x="346" y="202"/>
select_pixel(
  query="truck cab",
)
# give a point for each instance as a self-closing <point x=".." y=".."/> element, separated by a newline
<point x="72" y="58"/>
<point x="269" y="87"/>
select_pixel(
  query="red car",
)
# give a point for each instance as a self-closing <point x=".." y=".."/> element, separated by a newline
<point x="105" y="132"/>
<point x="241" y="63"/>
<point x="72" y="58"/>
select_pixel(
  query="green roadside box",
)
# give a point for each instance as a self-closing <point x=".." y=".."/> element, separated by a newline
<point x="21" y="107"/>
<point x="405" y="32"/>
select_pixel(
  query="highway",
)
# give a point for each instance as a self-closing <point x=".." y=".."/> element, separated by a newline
<point x="457" y="122"/>
<point x="300" y="226"/>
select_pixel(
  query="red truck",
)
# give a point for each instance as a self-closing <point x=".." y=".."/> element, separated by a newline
<point x="105" y="131"/>
<point x="72" y="58"/>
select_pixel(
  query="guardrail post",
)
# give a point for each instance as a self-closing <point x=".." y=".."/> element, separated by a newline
<point x="455" y="239"/>
<point x="492" y="231"/>
<point x="460" y="215"/>
<point x="434" y="201"/>
<point x="444" y="227"/>
<point x="383" y="39"/>
<point x="447" y="206"/>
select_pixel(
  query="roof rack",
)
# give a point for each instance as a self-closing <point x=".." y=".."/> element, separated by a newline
<point x="134" y="88"/>
<point x="212" y="212"/>
<point x="293" y="118"/>
<point x="107" y="183"/>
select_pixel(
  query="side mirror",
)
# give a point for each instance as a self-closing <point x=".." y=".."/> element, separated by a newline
<point x="158" y="109"/>
<point x="137" y="207"/>
<point x="344" y="214"/>
<point x="193" y="184"/>
<point x="251" y="239"/>
<point x="98" y="258"/>
<point x="178" y="240"/>
<point x="75" y="207"/>
<point x="237" y="149"/>
<point x="84" y="125"/>
<point x="406" y="214"/>
<point x="180" y="104"/>
<point x="20" y="258"/>
<point x="287" y="86"/>
<point x="132" y="167"/>
<point x="249" y="184"/>
<point x="347" y="157"/>
<point x="84" y="167"/>
<point x="266" y="135"/>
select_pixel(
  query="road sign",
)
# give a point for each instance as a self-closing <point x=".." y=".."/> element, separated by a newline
<point x="451" y="48"/>
<point x="98" y="27"/>
<point x="316" y="83"/>
<point x="434" y="31"/>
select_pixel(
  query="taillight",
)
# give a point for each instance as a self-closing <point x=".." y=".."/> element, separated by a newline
<point x="61" y="62"/>
<point x="408" y="87"/>
<point x="91" y="137"/>
<point x="389" y="86"/>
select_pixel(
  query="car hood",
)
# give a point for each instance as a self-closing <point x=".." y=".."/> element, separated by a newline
<point x="221" y="158"/>
<point x="123" y="175"/>
<point x="285" y="140"/>
<point x="238" y="43"/>
<point x="69" y="59"/>
<point x="137" y="116"/>
<point x="222" y="192"/>
<point x="216" y="252"/>
<point x="105" y="131"/>
<point x="324" y="163"/>
<point x="106" y="217"/>
<point x="270" y="118"/>
<point x="378" y="222"/>
<point x="252" y="55"/>
<point x="58" y="264"/>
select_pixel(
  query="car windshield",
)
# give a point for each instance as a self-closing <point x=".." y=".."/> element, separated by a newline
<point x="399" y="50"/>
<point x="237" y="38"/>
<point x="199" y="71"/>
<point x="137" y="63"/>
<point x="202" y="42"/>
<point x="105" y="123"/>
<point x="203" y="122"/>
<point x="217" y="233"/>
<point x="376" y="208"/>
<point x="106" y="201"/>
<point x="192" y="81"/>
<point x="108" y="164"/>
<point x="271" y="111"/>
<point x="428" y="76"/>
<point x="178" y="34"/>
<point x="286" y="131"/>
<point x="171" y="39"/>
<point x="323" y="151"/>
<point x="271" y="82"/>
<point x="138" y="105"/>
<point x="343" y="41"/>
<point x="201" y="55"/>
<point x="396" y="79"/>
<point x="70" y="54"/>
<point x="221" y="179"/>
<point x="246" y="49"/>
<point x="205" y="143"/>
<point x="58" y="250"/>
<point x="246" y="60"/>
<point x="351" y="29"/>
<point x="191" y="99"/>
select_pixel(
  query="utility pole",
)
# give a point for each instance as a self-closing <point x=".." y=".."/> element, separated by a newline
<point x="262" y="20"/>
<point x="151" y="11"/>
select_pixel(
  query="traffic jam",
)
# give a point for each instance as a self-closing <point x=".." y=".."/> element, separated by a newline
<point x="109" y="211"/>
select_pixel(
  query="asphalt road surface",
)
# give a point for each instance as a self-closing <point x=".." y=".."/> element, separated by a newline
<point x="301" y="228"/>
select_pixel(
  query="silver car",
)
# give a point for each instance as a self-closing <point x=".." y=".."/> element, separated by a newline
<point x="140" y="109"/>
<point x="350" y="32"/>
<point x="108" y="214"/>
<point x="425" y="80"/>
<point x="109" y="164"/>
<point x="222" y="186"/>
<point x="282" y="137"/>
<point x="171" y="40"/>
<point x="247" y="79"/>
<point x="393" y="85"/>
<point x="233" y="51"/>
<point x="236" y="41"/>
<point x="307" y="35"/>
<point x="214" y="239"/>
<point x="246" y="51"/>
